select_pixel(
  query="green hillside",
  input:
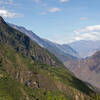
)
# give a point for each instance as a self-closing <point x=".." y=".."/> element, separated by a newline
<point x="21" y="77"/>
<point x="22" y="43"/>
<point x="29" y="72"/>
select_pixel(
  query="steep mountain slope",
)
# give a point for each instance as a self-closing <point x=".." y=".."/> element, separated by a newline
<point x="86" y="48"/>
<point x="62" y="52"/>
<point x="25" y="78"/>
<point x="87" y="69"/>
<point x="21" y="43"/>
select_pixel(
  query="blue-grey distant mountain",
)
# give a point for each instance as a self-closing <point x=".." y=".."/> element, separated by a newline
<point x="62" y="52"/>
<point x="86" y="48"/>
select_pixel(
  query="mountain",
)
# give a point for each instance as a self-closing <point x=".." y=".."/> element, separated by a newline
<point x="86" y="48"/>
<point x="29" y="72"/>
<point x="62" y="52"/>
<point x="87" y="69"/>
<point x="22" y="43"/>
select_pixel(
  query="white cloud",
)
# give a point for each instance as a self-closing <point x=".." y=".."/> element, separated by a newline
<point x="52" y="10"/>
<point x="7" y="14"/>
<point x="43" y="13"/>
<point x="88" y="33"/>
<point x="37" y="1"/>
<point x="89" y="29"/>
<point x="83" y="18"/>
<point x="6" y="2"/>
<point x="64" y="1"/>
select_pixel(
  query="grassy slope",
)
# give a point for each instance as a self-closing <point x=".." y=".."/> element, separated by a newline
<point x="53" y="82"/>
<point x="23" y="77"/>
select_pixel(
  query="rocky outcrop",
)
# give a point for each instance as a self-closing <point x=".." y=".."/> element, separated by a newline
<point x="87" y="69"/>
<point x="22" y="43"/>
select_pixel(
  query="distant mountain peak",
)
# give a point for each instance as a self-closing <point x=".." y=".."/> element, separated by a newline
<point x="86" y="48"/>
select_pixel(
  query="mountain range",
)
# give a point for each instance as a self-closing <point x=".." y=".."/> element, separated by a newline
<point x="30" y="72"/>
<point x="62" y="52"/>
<point x="74" y="50"/>
<point x="72" y="55"/>
<point x="87" y="69"/>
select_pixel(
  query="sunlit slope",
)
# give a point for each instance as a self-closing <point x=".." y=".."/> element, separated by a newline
<point x="29" y="72"/>
<point x="21" y="77"/>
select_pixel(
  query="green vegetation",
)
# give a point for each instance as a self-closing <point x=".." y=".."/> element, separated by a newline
<point x="9" y="89"/>
<point x="29" y="72"/>
<point x="45" y="82"/>
<point x="22" y="44"/>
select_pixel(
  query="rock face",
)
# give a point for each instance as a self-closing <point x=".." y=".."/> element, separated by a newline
<point x="62" y="52"/>
<point x="33" y="80"/>
<point x="29" y="72"/>
<point x="87" y="69"/>
<point x="21" y="43"/>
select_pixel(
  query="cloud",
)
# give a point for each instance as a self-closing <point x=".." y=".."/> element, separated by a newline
<point x="48" y="9"/>
<point x="83" y="18"/>
<point x="6" y="2"/>
<point x="89" y="29"/>
<point x="43" y="13"/>
<point x="52" y="10"/>
<point x="87" y="33"/>
<point x="64" y="1"/>
<point x="7" y="14"/>
<point x="37" y="1"/>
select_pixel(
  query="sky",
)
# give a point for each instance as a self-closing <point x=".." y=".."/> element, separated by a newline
<point x="61" y="21"/>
